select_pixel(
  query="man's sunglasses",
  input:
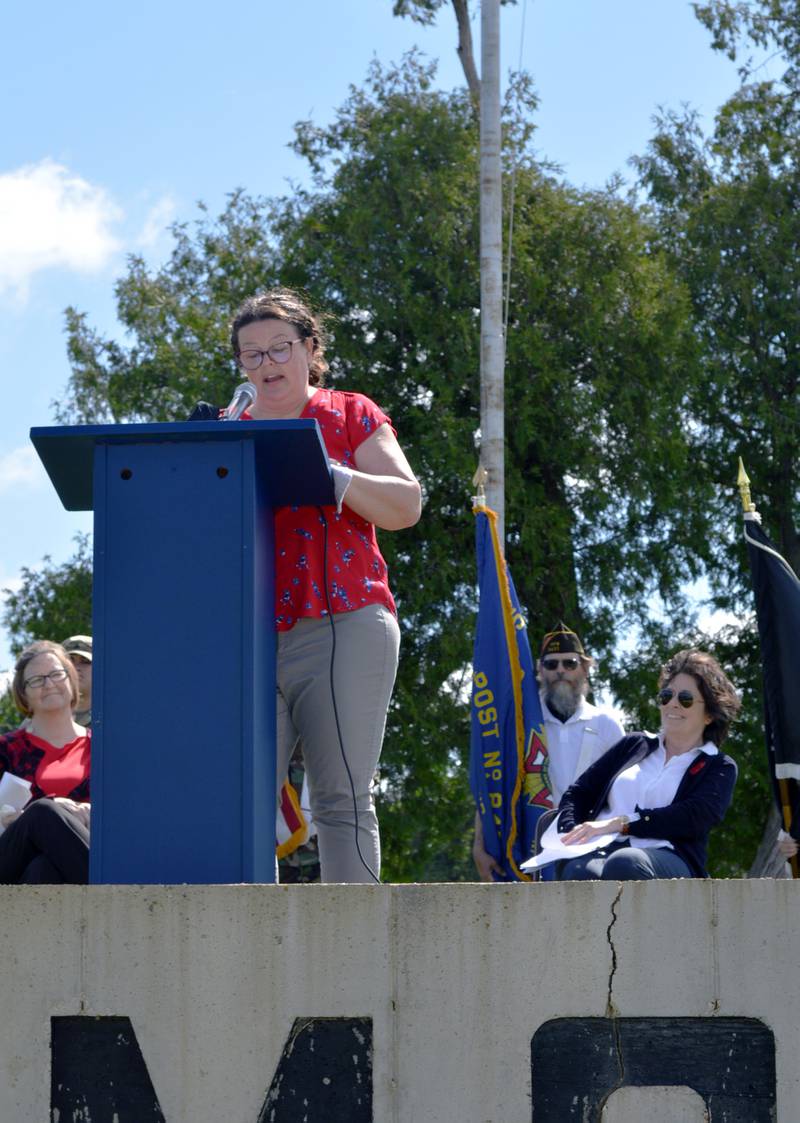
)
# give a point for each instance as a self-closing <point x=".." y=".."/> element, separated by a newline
<point x="685" y="698"/>
<point x="569" y="663"/>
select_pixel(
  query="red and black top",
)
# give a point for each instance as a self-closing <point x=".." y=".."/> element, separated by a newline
<point x="52" y="771"/>
<point x="357" y="574"/>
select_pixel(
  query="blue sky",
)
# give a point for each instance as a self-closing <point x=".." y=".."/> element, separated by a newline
<point x="117" y="120"/>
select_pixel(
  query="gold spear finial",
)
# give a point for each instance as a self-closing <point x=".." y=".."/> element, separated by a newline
<point x="743" y="480"/>
<point x="479" y="480"/>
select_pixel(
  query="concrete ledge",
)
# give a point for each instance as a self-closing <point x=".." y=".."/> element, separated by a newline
<point x="456" y="980"/>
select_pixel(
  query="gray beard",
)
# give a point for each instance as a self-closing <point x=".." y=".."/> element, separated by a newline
<point x="563" y="698"/>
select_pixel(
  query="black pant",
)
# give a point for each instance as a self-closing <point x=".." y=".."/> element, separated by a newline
<point x="46" y="845"/>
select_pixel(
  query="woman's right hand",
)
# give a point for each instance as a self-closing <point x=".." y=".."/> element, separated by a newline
<point x="82" y="811"/>
<point x="585" y="832"/>
<point x="8" y="815"/>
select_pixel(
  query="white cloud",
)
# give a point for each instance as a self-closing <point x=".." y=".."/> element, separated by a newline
<point x="49" y="218"/>
<point x="156" y="221"/>
<point x="21" y="468"/>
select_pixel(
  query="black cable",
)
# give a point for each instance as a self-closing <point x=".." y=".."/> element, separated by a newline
<point x="362" y="859"/>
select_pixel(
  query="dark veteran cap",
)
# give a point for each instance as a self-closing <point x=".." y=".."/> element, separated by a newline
<point x="560" y="640"/>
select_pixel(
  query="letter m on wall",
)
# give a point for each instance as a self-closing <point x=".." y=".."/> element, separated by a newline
<point x="98" y="1073"/>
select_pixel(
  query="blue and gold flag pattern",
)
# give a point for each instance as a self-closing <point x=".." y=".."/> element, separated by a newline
<point x="508" y="759"/>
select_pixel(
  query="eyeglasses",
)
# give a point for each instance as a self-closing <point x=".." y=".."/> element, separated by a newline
<point x="251" y="359"/>
<point x="685" y="698"/>
<point x="39" y="680"/>
<point x="569" y="663"/>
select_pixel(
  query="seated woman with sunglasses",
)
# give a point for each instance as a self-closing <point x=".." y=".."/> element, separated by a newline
<point x="47" y="843"/>
<point x="658" y="796"/>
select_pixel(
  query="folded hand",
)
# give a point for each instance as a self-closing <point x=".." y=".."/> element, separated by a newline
<point x="8" y="815"/>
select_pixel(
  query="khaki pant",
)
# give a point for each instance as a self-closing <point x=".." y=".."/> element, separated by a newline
<point x="363" y="647"/>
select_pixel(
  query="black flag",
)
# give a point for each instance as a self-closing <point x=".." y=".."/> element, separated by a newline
<point x="777" y="595"/>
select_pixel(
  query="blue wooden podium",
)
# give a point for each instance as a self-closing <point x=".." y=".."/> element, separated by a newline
<point x="183" y="749"/>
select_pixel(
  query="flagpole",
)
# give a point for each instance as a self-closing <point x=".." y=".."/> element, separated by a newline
<point x="508" y="750"/>
<point x="493" y="345"/>
<point x="743" y="483"/>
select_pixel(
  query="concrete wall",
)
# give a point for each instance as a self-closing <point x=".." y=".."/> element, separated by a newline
<point x="456" y="980"/>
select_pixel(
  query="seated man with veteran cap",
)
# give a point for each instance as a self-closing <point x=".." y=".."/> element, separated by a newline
<point x="79" y="650"/>
<point x="578" y="733"/>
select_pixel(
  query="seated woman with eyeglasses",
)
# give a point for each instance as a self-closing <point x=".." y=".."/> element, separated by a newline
<point x="659" y="796"/>
<point x="47" y="843"/>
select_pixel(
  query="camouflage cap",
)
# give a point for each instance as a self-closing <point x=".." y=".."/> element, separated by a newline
<point x="79" y="645"/>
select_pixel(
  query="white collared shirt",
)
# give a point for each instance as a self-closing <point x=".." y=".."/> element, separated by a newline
<point x="652" y="782"/>
<point x="577" y="742"/>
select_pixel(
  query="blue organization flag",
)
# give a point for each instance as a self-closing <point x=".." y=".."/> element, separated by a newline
<point x="508" y="757"/>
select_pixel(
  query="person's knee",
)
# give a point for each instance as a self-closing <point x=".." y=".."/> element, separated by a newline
<point x="627" y="865"/>
<point x="344" y="814"/>
<point x="576" y="870"/>
<point x="339" y="804"/>
<point x="40" y="811"/>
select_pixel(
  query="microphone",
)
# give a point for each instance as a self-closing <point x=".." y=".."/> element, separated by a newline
<point x="243" y="398"/>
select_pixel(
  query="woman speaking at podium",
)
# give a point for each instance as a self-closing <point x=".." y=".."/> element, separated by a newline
<point x="335" y="617"/>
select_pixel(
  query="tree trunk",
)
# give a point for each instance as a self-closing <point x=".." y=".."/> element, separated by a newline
<point x="768" y="862"/>
<point x="465" y="51"/>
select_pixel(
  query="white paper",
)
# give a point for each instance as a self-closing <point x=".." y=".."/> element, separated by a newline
<point x="14" y="792"/>
<point x="554" y="850"/>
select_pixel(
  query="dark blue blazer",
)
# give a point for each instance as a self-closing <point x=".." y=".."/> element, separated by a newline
<point x="703" y="796"/>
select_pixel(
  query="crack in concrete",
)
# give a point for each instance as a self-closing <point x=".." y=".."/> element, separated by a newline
<point x="83" y="953"/>
<point x="611" y="1010"/>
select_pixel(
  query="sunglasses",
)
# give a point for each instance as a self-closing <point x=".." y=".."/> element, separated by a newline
<point x="685" y="698"/>
<point x="569" y="663"/>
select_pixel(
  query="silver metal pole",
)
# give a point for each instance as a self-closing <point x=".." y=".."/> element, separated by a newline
<point x="492" y="343"/>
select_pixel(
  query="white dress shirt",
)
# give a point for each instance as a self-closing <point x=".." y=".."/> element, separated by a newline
<point x="574" y="744"/>
<point x="652" y="782"/>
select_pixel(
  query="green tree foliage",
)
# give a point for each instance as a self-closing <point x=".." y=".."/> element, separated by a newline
<point x="728" y="213"/>
<point x="178" y="318"/>
<point x="726" y="209"/>
<point x="772" y="25"/>
<point x="52" y="602"/>
<point x="604" y="507"/>
<point x="10" y="716"/>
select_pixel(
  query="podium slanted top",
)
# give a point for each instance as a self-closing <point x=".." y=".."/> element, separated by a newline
<point x="289" y="454"/>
